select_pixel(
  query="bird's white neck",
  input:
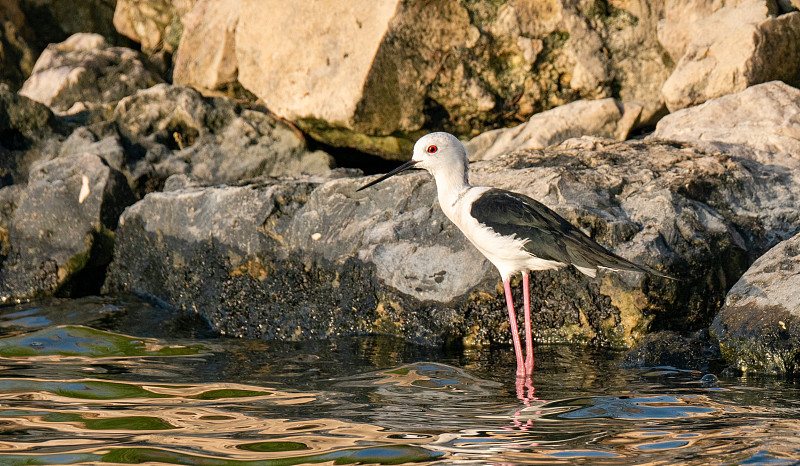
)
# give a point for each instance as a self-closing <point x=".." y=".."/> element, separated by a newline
<point x="450" y="186"/>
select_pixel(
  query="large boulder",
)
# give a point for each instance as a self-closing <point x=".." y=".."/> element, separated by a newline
<point x="313" y="258"/>
<point x="60" y="232"/>
<point x="765" y="117"/>
<point x="85" y="73"/>
<point x="373" y="75"/>
<point x="759" y="325"/>
<point x="730" y="49"/>
<point x="602" y="118"/>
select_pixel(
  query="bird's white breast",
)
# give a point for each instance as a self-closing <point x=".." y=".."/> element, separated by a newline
<point x="507" y="253"/>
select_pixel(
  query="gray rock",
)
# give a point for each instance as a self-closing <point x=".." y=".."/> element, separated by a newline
<point x="759" y="325"/>
<point x="765" y="117"/>
<point x="28" y="131"/>
<point x="86" y="74"/>
<point x="310" y="259"/>
<point x="60" y="235"/>
<point x="175" y="130"/>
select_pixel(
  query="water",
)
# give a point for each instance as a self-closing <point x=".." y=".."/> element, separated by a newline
<point x="103" y="380"/>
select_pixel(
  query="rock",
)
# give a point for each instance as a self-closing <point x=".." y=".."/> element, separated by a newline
<point x="17" y="45"/>
<point x="55" y="20"/>
<point x="603" y="118"/>
<point x="85" y="73"/>
<point x="311" y="259"/>
<point x="177" y="130"/>
<point x="759" y="325"/>
<point x="733" y="48"/>
<point x="697" y="352"/>
<point x="60" y="235"/>
<point x="372" y="75"/>
<point x="765" y="117"/>
<point x="156" y="24"/>
<point x="27" y="131"/>
<point x="206" y="57"/>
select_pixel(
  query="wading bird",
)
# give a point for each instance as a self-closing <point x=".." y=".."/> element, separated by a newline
<point x="516" y="233"/>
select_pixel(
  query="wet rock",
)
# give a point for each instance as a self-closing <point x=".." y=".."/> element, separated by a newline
<point x="696" y="352"/>
<point x="60" y="235"/>
<point x="731" y="49"/>
<point x="764" y="117"/>
<point x="603" y="118"/>
<point x="372" y="75"/>
<point x="759" y="325"/>
<point x="175" y="130"/>
<point x="310" y="259"/>
<point x="86" y="74"/>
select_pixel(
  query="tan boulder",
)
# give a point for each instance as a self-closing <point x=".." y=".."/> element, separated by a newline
<point x="197" y="64"/>
<point x="733" y="48"/>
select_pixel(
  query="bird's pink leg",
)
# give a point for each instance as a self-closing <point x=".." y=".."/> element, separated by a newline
<point x="512" y="319"/>
<point x="526" y="298"/>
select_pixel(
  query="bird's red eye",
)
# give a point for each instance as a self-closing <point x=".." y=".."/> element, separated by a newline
<point x="432" y="149"/>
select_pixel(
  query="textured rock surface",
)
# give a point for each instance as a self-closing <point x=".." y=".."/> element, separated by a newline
<point x="60" y="232"/>
<point x="156" y="24"/>
<point x="697" y="352"/>
<point x="175" y="130"/>
<point x="305" y="260"/>
<point x="373" y="74"/>
<point x="206" y="57"/>
<point x="603" y="118"/>
<point x="733" y="48"/>
<point x="765" y="117"/>
<point x="86" y="73"/>
<point x="18" y="51"/>
<point x="27" y="129"/>
<point x="759" y="325"/>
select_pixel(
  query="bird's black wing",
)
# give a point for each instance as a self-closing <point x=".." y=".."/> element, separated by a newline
<point x="549" y="235"/>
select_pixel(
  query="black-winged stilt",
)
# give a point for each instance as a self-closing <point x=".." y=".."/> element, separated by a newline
<point x="516" y="233"/>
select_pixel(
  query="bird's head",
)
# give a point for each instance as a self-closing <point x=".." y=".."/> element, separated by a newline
<point x="436" y="152"/>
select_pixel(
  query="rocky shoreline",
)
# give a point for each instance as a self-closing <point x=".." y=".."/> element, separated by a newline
<point x="184" y="173"/>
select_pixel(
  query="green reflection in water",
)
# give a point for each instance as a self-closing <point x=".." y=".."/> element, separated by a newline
<point x="102" y="390"/>
<point x="112" y="423"/>
<point x="273" y="446"/>
<point x="389" y="454"/>
<point x="87" y="342"/>
<point x="227" y="393"/>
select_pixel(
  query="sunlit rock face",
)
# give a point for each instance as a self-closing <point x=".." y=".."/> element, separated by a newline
<point x="374" y="75"/>
<point x="724" y="47"/>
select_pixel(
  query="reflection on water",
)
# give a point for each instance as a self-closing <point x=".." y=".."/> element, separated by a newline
<point x="112" y="381"/>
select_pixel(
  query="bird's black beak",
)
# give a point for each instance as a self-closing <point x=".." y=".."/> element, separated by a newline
<point x="404" y="167"/>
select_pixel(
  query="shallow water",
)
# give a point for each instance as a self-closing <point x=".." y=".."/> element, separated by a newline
<point x="103" y="380"/>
